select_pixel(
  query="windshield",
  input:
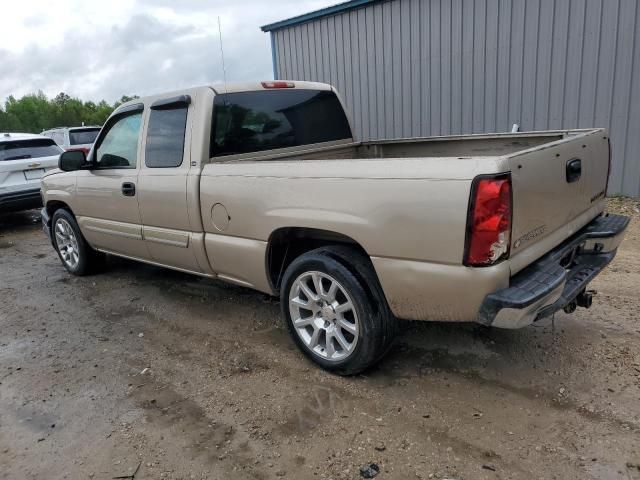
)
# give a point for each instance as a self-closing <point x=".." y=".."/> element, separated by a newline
<point x="83" y="136"/>
<point x="33" y="148"/>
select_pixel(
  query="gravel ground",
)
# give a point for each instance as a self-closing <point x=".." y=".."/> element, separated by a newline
<point x="165" y="375"/>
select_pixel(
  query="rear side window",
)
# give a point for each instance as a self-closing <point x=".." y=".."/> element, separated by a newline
<point x="23" y="149"/>
<point x="83" y="136"/>
<point x="264" y="120"/>
<point x="165" y="138"/>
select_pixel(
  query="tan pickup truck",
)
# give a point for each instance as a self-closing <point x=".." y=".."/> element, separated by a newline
<point x="263" y="185"/>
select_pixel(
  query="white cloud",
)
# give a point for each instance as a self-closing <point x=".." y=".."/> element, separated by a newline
<point x="106" y="50"/>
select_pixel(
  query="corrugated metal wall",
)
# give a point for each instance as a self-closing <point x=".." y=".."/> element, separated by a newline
<point x="439" y="67"/>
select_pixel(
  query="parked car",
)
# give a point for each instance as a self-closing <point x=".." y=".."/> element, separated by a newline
<point x="263" y="185"/>
<point x="74" y="138"/>
<point x="24" y="158"/>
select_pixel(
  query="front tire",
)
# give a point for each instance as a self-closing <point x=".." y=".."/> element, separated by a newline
<point x="335" y="310"/>
<point x="75" y="253"/>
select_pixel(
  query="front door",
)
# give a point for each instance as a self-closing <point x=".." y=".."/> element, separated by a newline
<point x="106" y="196"/>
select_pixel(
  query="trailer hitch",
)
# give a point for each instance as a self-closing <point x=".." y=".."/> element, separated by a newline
<point x="584" y="299"/>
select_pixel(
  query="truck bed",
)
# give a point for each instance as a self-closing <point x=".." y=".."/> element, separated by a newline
<point x="546" y="208"/>
<point x="457" y="146"/>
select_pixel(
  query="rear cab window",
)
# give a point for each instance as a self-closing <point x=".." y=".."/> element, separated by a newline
<point x="83" y="136"/>
<point x="255" y="121"/>
<point x="28" y="148"/>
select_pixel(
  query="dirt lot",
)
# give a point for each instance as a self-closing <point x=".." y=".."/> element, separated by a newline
<point x="183" y="377"/>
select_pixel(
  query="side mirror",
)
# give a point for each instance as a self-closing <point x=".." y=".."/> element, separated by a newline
<point x="72" y="160"/>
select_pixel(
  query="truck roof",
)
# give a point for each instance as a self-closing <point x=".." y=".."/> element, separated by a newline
<point x="235" y="87"/>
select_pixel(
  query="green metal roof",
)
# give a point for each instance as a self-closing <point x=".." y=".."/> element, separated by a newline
<point x="324" y="12"/>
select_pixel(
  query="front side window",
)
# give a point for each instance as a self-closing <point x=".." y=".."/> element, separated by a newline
<point x="247" y="122"/>
<point x="119" y="147"/>
<point x="24" y="149"/>
<point x="165" y="138"/>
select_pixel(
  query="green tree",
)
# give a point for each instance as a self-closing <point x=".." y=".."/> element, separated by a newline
<point x="125" y="99"/>
<point x="61" y="98"/>
<point x="35" y="112"/>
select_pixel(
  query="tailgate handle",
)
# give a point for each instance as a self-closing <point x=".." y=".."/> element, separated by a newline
<point x="574" y="170"/>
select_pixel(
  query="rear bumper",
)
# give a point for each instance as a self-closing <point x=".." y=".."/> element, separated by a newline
<point x="554" y="281"/>
<point x="21" y="200"/>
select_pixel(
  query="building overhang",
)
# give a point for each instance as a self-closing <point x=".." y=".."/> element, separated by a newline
<point x="323" y="12"/>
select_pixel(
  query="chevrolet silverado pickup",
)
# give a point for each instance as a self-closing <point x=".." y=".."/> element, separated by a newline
<point x="263" y="185"/>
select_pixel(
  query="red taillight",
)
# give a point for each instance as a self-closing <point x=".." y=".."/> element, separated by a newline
<point x="278" y="84"/>
<point x="488" y="221"/>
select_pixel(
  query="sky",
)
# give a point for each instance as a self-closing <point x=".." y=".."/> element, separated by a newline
<point x="103" y="50"/>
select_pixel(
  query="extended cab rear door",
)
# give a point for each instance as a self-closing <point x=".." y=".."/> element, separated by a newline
<point x="165" y="196"/>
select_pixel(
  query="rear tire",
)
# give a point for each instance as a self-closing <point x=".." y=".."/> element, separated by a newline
<point x="75" y="253"/>
<point x="335" y="309"/>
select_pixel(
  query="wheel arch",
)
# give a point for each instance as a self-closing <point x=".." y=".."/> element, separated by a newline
<point x="287" y="243"/>
<point x="51" y="207"/>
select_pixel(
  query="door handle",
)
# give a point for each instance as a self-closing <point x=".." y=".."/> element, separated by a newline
<point x="128" y="189"/>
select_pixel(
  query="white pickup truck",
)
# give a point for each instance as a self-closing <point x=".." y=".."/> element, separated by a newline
<point x="263" y="185"/>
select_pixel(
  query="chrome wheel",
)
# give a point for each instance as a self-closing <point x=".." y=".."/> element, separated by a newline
<point x="323" y="316"/>
<point x="67" y="243"/>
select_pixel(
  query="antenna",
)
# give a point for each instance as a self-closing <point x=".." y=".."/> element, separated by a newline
<point x="224" y="70"/>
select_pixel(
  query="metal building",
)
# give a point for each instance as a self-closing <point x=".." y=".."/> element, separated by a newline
<point x="440" y="67"/>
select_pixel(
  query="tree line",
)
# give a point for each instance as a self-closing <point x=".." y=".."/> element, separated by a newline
<point x="35" y="112"/>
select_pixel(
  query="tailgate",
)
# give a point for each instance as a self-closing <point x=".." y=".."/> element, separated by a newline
<point x="22" y="174"/>
<point x="24" y="159"/>
<point x="557" y="189"/>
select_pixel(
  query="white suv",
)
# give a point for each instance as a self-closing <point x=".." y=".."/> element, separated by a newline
<point x="24" y="158"/>
<point x="74" y="138"/>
